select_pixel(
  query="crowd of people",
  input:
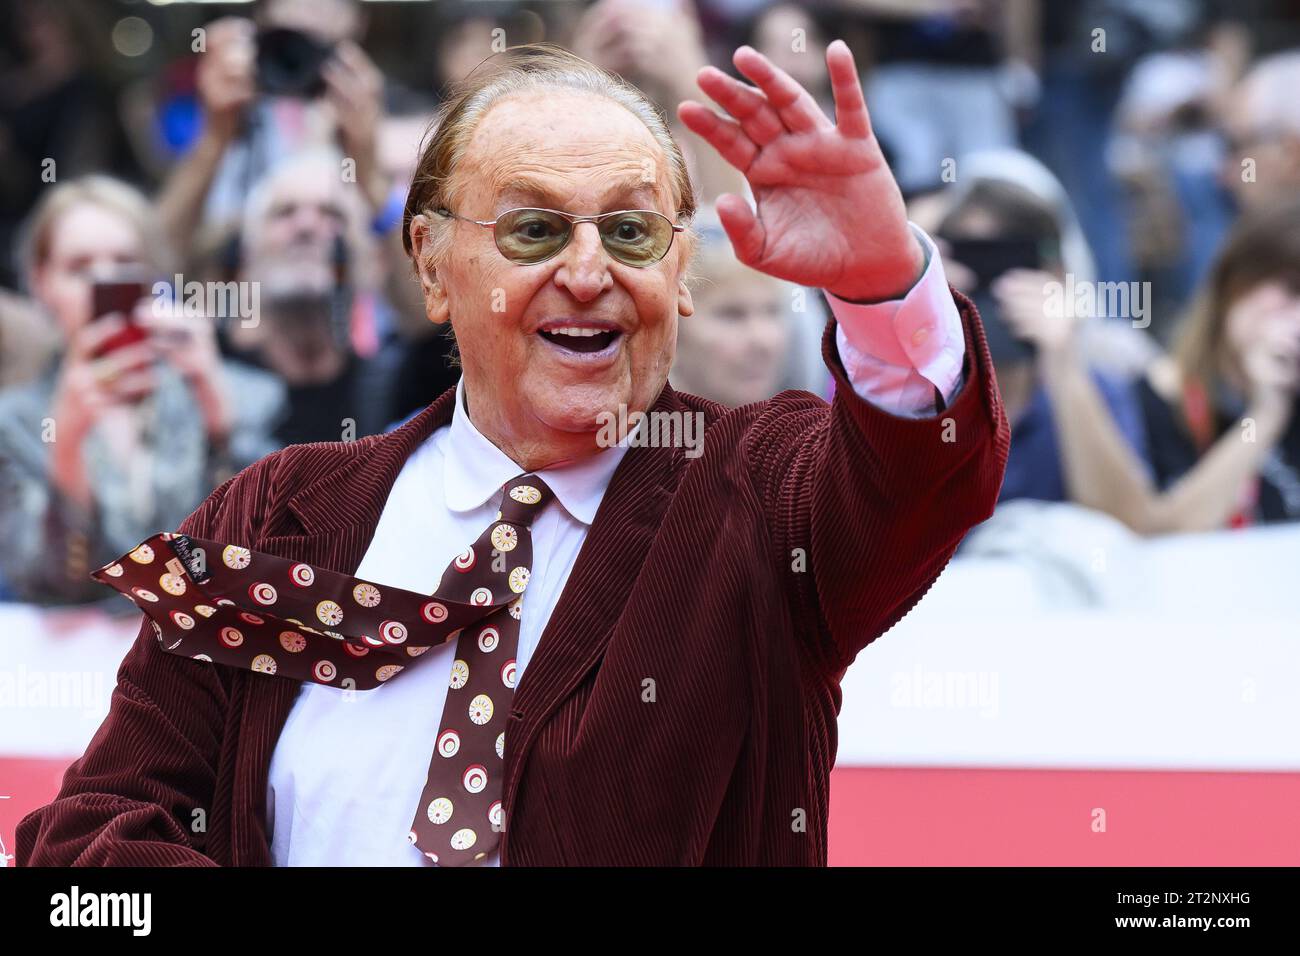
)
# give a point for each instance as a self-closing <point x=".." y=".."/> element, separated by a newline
<point x="1115" y="184"/>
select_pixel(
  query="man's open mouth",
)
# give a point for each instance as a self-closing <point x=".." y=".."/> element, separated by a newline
<point x="581" y="340"/>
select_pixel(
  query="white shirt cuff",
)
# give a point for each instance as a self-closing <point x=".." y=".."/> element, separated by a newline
<point x="897" y="353"/>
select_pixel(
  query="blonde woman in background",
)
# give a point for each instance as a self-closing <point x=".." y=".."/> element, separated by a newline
<point x="106" y="445"/>
<point x="746" y="340"/>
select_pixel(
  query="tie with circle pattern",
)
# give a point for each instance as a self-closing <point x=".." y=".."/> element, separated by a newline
<point x="460" y="815"/>
<point x="250" y="610"/>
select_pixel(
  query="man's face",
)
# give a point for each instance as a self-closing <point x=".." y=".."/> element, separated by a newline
<point x="305" y="216"/>
<point x="1273" y="153"/>
<point x="529" y="383"/>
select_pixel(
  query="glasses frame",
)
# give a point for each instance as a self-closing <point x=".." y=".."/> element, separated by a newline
<point x="573" y="221"/>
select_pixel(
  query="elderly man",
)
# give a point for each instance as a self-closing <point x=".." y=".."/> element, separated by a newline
<point x="666" y="690"/>
<point x="305" y="248"/>
<point x="1263" y="124"/>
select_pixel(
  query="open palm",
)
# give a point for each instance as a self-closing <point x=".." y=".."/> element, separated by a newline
<point x="829" y="212"/>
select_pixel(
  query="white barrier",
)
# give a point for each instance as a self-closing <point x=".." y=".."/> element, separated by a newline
<point x="1080" y="647"/>
<point x="1191" y="661"/>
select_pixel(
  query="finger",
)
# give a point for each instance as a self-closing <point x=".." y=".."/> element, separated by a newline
<point x="125" y="359"/>
<point x="150" y="318"/>
<point x="746" y="104"/>
<point x="230" y="29"/>
<point x="95" y="333"/>
<point x="748" y="238"/>
<point x="359" y="63"/>
<point x="793" y="104"/>
<point x="721" y="132"/>
<point x="135" y="385"/>
<point x="851" y="115"/>
<point x="339" y="77"/>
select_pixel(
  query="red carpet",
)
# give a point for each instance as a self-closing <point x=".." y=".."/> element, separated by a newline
<point x="950" y="817"/>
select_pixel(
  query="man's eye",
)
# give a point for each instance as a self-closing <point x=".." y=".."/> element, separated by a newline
<point x="629" y="230"/>
<point x="534" y="229"/>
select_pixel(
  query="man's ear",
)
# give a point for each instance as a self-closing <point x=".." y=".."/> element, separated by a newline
<point x="685" y="305"/>
<point x="436" y="306"/>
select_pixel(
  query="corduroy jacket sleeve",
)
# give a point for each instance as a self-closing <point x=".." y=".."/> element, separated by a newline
<point x="141" y="793"/>
<point x="866" y="508"/>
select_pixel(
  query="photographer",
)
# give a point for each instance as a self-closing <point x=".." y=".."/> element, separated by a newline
<point x="1009" y="233"/>
<point x="295" y="79"/>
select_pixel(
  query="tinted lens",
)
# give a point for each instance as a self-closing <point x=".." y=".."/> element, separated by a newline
<point x="638" y="237"/>
<point x="531" y="235"/>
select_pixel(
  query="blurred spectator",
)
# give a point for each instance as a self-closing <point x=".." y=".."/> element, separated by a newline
<point x="1169" y="154"/>
<point x="306" y="245"/>
<point x="293" y="80"/>
<point x="113" y="442"/>
<point x="735" y="348"/>
<point x="56" y="112"/>
<point x="1088" y="50"/>
<point x="936" y="90"/>
<point x="791" y="37"/>
<point x="1009" y="234"/>
<point x="659" y="47"/>
<point x="1263" y="128"/>
<point x="1223" y="433"/>
<point x="415" y="358"/>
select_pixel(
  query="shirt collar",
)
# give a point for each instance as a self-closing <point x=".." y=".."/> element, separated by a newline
<point x="475" y="470"/>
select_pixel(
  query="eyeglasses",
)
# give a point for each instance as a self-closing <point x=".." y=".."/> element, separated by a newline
<point x="635" y="237"/>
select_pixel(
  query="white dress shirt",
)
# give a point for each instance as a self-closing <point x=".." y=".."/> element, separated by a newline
<point x="349" y="766"/>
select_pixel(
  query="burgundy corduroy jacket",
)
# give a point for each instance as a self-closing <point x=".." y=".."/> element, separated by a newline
<point x="742" y="583"/>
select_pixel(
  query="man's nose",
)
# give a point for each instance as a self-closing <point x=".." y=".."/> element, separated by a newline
<point x="309" y="221"/>
<point x="584" y="264"/>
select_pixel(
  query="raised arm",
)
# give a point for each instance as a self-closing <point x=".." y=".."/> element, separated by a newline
<point x="864" y="506"/>
<point x="226" y="88"/>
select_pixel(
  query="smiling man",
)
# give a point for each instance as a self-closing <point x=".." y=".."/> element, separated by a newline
<point x="653" y="674"/>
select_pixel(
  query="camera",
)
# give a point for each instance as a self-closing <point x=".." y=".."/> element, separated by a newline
<point x="289" y="63"/>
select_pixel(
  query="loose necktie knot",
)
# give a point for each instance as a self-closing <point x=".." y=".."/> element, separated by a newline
<point x="523" y="497"/>
<point x="274" y="615"/>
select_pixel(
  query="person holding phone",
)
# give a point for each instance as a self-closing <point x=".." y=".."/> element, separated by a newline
<point x="133" y="420"/>
<point x="1008" y="234"/>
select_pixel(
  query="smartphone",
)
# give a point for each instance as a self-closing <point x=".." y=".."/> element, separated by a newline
<point x="119" y="295"/>
<point x="988" y="259"/>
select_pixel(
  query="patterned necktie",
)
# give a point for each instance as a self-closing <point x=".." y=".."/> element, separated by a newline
<point x="460" y="816"/>
<point x="257" y="607"/>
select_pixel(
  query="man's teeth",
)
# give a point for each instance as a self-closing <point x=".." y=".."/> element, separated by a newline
<point x="574" y="330"/>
